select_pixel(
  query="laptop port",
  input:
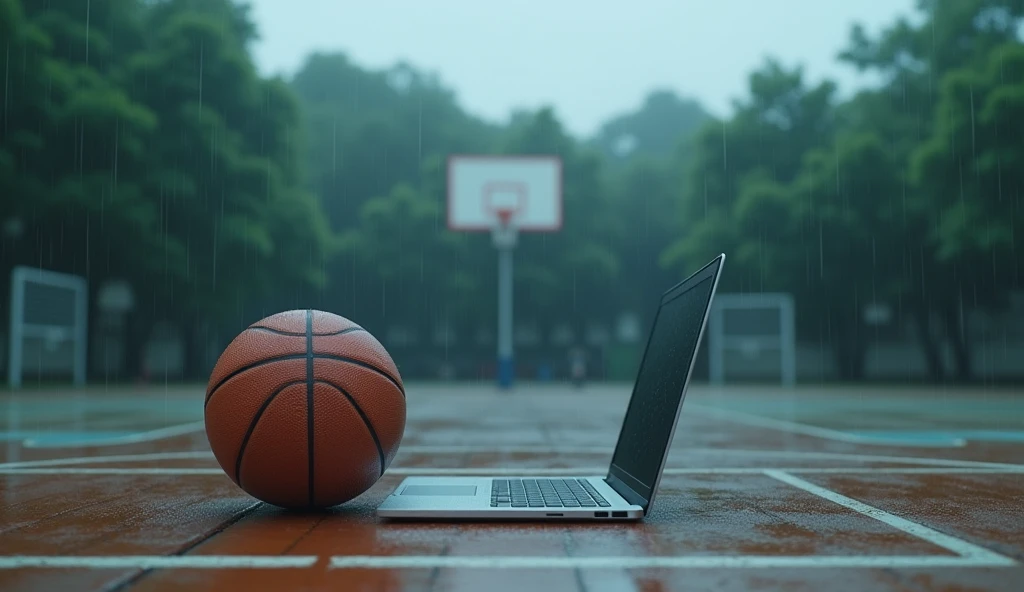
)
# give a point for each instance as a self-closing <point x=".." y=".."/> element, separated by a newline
<point x="600" y="514"/>
<point x="551" y="514"/>
<point x="618" y="514"/>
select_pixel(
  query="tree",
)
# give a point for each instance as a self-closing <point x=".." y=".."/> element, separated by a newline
<point x="236" y="225"/>
<point x="766" y="138"/>
<point x="971" y="172"/>
<point x="554" y="272"/>
<point x="657" y="129"/>
<point x="954" y="35"/>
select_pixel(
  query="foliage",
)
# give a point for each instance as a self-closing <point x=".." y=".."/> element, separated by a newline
<point x="139" y="141"/>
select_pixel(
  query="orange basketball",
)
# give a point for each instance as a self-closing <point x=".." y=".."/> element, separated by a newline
<point x="305" y="409"/>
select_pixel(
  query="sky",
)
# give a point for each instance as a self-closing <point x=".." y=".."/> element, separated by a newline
<point x="589" y="59"/>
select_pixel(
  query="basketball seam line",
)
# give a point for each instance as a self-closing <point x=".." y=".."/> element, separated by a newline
<point x="270" y="398"/>
<point x="316" y="356"/>
<point x="297" y="334"/>
<point x="309" y="400"/>
<point x="362" y="414"/>
<point x="252" y="427"/>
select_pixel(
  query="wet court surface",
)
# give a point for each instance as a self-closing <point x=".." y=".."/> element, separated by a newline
<point x="766" y="489"/>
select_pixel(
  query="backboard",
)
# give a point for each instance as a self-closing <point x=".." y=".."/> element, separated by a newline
<point x="527" y="188"/>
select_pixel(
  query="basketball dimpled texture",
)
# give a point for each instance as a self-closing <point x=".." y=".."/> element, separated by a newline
<point x="305" y="409"/>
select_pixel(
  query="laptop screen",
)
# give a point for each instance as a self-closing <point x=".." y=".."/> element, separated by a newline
<point x="658" y="392"/>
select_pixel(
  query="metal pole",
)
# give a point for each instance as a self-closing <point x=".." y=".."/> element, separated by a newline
<point x="506" y="367"/>
<point x="14" y="359"/>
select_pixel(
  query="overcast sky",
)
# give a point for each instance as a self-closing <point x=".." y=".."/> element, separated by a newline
<point x="590" y="59"/>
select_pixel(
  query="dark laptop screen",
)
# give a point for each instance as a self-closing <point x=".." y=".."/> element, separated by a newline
<point x="659" y="386"/>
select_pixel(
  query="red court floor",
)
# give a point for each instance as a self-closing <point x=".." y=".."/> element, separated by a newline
<point x="766" y="489"/>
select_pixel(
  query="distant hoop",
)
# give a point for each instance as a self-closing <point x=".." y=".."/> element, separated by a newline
<point x="504" y="232"/>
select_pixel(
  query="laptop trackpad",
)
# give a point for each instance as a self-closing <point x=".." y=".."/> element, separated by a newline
<point x="459" y="490"/>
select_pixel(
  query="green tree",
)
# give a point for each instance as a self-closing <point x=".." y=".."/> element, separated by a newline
<point x="555" y="272"/>
<point x="656" y="129"/>
<point x="237" y="227"/>
<point x="971" y="172"/>
<point x="915" y="59"/>
<point x="767" y="137"/>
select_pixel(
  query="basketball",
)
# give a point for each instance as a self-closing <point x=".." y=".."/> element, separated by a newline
<point x="305" y="409"/>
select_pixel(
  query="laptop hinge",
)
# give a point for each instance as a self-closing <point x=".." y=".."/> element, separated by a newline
<point x="626" y="491"/>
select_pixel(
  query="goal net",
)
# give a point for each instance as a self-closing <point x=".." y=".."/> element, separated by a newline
<point x="48" y="326"/>
<point x="752" y="337"/>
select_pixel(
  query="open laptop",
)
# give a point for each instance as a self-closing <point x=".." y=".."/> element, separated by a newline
<point x="627" y="491"/>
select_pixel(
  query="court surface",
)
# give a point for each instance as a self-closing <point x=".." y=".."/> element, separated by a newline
<point x="766" y="489"/>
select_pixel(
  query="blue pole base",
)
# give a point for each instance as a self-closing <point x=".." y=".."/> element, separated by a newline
<point x="506" y="372"/>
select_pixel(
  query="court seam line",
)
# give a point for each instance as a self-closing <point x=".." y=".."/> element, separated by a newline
<point x="962" y="548"/>
<point x="812" y="430"/>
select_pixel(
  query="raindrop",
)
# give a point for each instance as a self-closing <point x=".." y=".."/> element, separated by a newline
<point x="88" y="15"/>
<point x="973" y="143"/>
<point x="7" y="80"/>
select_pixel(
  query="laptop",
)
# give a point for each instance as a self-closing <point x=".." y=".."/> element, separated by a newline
<point x="627" y="491"/>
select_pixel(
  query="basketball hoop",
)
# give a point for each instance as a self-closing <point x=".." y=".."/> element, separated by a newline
<point x="504" y="232"/>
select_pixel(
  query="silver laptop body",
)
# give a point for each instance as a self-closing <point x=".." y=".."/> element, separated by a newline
<point x="627" y="491"/>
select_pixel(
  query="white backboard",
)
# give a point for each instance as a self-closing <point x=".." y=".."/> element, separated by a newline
<point x="480" y="185"/>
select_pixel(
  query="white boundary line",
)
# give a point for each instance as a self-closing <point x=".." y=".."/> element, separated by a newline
<point x="88" y="460"/>
<point x="206" y="455"/>
<point x="159" y="562"/>
<point x="966" y="550"/>
<point x="814" y="431"/>
<point x="411" y="471"/>
<point x="148" y="436"/>
<point x="498" y="562"/>
<point x="706" y="561"/>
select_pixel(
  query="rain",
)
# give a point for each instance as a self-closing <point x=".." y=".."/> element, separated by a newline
<point x="460" y="227"/>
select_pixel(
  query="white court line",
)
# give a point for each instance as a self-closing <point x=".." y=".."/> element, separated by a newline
<point x="410" y="471"/>
<point x="200" y="454"/>
<point x="499" y="562"/>
<point x="960" y="547"/>
<point x="814" y="431"/>
<point x="88" y="460"/>
<point x="851" y="457"/>
<point x="149" y="436"/>
<point x="704" y="561"/>
<point x="158" y="562"/>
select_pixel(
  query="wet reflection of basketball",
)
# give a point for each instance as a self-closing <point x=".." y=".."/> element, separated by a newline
<point x="305" y="409"/>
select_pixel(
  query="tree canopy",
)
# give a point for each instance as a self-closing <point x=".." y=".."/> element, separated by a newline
<point x="139" y="141"/>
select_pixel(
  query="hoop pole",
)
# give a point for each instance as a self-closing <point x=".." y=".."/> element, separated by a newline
<point x="506" y="365"/>
<point x="14" y="360"/>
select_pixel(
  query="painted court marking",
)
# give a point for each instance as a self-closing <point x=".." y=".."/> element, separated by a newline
<point x="87" y="460"/>
<point x="817" y="432"/>
<point x="707" y="561"/>
<point x="961" y="547"/>
<point x="138" y="437"/>
<point x="493" y="562"/>
<point x="159" y="562"/>
<point x="207" y="455"/>
<point x="133" y="471"/>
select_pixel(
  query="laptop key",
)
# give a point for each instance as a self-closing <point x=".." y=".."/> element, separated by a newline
<point x="603" y="504"/>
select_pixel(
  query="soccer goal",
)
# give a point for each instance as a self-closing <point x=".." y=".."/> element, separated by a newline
<point x="48" y="326"/>
<point x="752" y="337"/>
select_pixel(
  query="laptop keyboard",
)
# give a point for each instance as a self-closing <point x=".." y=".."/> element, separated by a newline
<point x="545" y="493"/>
